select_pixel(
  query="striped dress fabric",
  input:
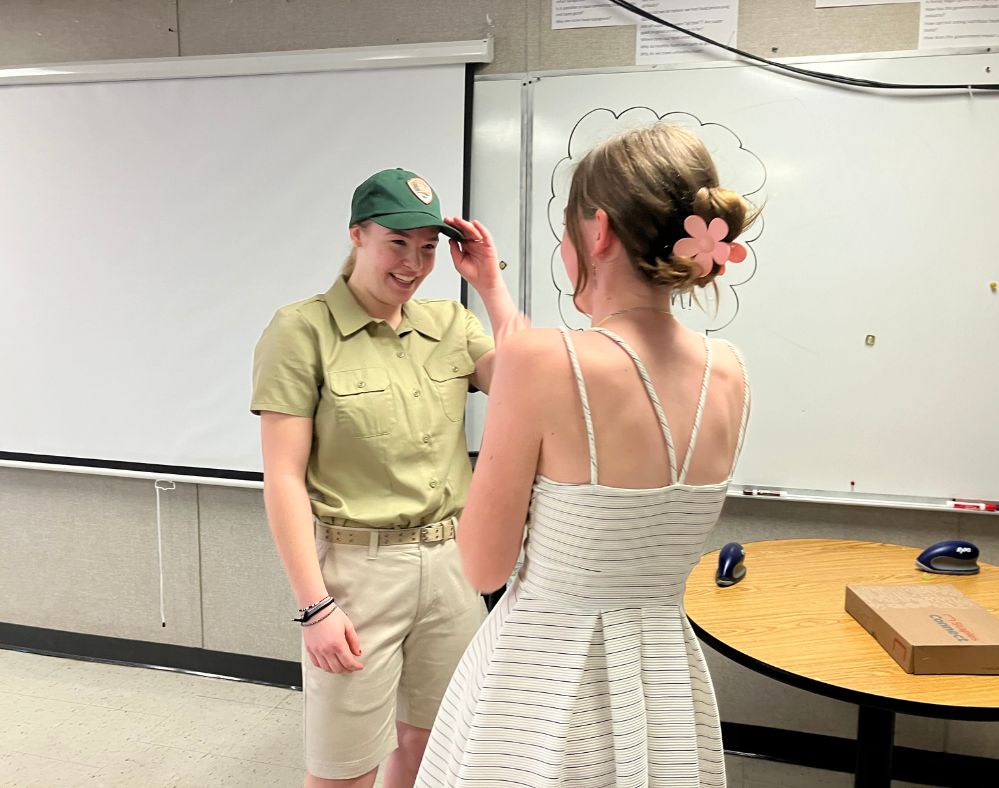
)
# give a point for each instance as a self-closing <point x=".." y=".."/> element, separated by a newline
<point x="587" y="673"/>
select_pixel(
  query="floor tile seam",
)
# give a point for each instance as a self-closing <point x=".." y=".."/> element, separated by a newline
<point x="259" y="763"/>
<point x="241" y="702"/>
<point x="84" y="704"/>
<point x="7" y="751"/>
<point x="175" y="747"/>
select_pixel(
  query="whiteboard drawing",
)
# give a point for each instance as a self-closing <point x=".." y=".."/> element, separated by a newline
<point x="739" y="169"/>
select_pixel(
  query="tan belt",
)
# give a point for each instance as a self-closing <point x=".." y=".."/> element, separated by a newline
<point x="434" y="532"/>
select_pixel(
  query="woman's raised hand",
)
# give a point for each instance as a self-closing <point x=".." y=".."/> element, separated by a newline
<point x="475" y="258"/>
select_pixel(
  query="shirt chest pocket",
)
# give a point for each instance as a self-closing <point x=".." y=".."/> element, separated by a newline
<point x="449" y="374"/>
<point x="362" y="401"/>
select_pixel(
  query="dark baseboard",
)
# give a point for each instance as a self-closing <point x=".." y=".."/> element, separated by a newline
<point x="923" y="767"/>
<point x="753" y="741"/>
<point x="139" y="652"/>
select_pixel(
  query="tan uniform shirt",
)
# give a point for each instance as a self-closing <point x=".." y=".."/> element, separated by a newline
<point x="388" y="405"/>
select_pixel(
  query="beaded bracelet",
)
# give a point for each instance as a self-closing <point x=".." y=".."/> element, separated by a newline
<point x="311" y="610"/>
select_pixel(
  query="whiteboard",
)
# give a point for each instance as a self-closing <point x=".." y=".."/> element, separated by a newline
<point x="496" y="201"/>
<point x="150" y="229"/>
<point x="879" y="221"/>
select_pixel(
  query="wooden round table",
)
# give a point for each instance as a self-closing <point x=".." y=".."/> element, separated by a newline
<point x="786" y="619"/>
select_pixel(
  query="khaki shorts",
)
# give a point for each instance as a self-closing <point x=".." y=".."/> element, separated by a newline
<point x="414" y="613"/>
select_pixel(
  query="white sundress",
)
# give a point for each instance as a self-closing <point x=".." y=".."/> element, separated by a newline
<point x="587" y="673"/>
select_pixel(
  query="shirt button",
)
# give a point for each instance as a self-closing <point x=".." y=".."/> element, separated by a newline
<point x="400" y="354"/>
<point x="433" y="483"/>
<point x="426" y="439"/>
<point x="361" y="384"/>
<point x="416" y="392"/>
<point x="454" y="368"/>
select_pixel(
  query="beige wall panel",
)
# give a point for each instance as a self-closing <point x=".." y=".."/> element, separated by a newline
<point x="797" y="27"/>
<point x="33" y="32"/>
<point x="80" y="555"/>
<point x="794" y="27"/>
<point x="983" y="530"/>
<point x="591" y="47"/>
<point x="973" y="738"/>
<point x="747" y="697"/>
<point x="754" y="519"/>
<point x="247" y="602"/>
<point x="209" y="27"/>
<point x="62" y="31"/>
<point x="750" y="698"/>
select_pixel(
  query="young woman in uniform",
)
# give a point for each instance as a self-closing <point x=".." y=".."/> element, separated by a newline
<point x="361" y="392"/>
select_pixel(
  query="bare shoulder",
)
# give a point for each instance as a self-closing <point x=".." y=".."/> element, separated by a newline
<point x="532" y="347"/>
<point x="529" y="362"/>
<point x="727" y="367"/>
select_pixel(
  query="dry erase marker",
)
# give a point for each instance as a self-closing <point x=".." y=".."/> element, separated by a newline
<point x="982" y="506"/>
<point x="975" y="506"/>
<point x="766" y="493"/>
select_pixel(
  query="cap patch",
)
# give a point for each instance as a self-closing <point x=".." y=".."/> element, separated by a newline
<point x="421" y="189"/>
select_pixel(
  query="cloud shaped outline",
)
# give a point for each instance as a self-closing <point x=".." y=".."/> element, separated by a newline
<point x="739" y="168"/>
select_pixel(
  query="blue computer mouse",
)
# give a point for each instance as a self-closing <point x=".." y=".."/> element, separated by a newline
<point x="730" y="567"/>
<point x="953" y="557"/>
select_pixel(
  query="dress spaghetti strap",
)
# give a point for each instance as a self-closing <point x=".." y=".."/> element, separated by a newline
<point x="703" y="398"/>
<point x="591" y="441"/>
<point x="643" y="373"/>
<point x="746" y="404"/>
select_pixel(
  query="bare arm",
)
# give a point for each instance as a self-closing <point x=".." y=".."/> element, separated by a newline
<point x="492" y="525"/>
<point x="286" y="441"/>
<point x="510" y="321"/>
<point x="477" y="262"/>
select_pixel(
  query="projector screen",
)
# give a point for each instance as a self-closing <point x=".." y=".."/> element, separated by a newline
<point x="150" y="229"/>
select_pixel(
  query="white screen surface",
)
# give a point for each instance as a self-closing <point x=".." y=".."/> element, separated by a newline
<point x="149" y="230"/>
<point x="878" y="215"/>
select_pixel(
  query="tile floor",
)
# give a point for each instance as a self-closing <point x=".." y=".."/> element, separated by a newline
<point x="71" y="723"/>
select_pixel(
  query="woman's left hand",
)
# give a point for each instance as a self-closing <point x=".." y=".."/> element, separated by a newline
<point x="475" y="258"/>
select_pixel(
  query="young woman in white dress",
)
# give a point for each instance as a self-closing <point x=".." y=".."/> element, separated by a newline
<point x="616" y="445"/>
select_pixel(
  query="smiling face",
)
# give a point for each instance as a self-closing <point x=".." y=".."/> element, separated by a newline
<point x="391" y="264"/>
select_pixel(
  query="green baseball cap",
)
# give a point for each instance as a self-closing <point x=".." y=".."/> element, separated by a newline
<point x="399" y="200"/>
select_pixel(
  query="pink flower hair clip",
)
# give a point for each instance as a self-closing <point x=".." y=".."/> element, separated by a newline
<point x="705" y="245"/>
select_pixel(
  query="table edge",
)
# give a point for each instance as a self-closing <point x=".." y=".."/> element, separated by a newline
<point x="857" y="697"/>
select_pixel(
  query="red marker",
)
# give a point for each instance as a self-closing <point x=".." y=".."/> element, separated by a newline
<point x="976" y="506"/>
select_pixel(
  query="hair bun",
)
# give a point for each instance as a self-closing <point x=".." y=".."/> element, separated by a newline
<point x="648" y="181"/>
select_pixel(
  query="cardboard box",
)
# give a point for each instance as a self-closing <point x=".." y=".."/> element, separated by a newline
<point x="928" y="628"/>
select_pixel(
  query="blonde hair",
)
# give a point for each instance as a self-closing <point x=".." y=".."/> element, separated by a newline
<point x="648" y="181"/>
<point x="351" y="261"/>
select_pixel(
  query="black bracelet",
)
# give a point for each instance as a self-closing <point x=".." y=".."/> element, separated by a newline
<point x="307" y="608"/>
<point x="310" y="611"/>
<point x="313" y="622"/>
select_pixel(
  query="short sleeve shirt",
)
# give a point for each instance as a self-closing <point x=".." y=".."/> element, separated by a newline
<point x="388" y="405"/>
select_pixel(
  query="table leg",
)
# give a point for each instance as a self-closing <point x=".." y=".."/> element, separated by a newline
<point x="875" y="741"/>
